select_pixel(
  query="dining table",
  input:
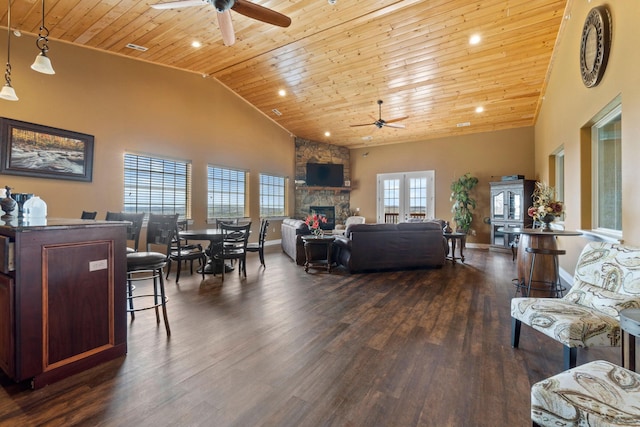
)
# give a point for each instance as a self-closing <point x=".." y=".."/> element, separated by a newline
<point x="215" y="237"/>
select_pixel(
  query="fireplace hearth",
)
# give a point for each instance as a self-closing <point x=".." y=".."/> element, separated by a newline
<point x="328" y="212"/>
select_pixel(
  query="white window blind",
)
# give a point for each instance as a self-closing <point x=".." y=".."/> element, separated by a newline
<point x="155" y="185"/>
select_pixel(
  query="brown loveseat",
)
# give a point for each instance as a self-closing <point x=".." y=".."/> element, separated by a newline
<point x="368" y="247"/>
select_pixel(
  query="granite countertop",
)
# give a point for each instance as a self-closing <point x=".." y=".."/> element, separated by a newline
<point x="22" y="224"/>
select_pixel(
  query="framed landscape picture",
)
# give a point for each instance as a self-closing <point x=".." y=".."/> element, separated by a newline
<point x="40" y="151"/>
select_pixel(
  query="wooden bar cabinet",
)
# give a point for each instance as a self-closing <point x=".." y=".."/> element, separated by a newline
<point x="62" y="297"/>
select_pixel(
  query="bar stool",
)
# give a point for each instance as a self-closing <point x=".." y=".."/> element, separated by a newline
<point x="149" y="265"/>
<point x="554" y="287"/>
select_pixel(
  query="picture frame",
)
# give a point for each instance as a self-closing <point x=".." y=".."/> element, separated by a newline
<point x="29" y="149"/>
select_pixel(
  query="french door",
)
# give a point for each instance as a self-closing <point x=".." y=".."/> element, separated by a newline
<point x="405" y="195"/>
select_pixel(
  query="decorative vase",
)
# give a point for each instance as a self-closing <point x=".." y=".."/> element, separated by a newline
<point x="447" y="228"/>
<point x="20" y="199"/>
<point x="317" y="232"/>
<point x="8" y="204"/>
<point x="547" y="220"/>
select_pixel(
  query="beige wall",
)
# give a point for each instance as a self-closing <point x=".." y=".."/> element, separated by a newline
<point x="569" y="105"/>
<point x="130" y="105"/>
<point x="488" y="156"/>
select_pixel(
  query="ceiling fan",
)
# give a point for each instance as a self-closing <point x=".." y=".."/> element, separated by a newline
<point x="243" y="7"/>
<point x="380" y="123"/>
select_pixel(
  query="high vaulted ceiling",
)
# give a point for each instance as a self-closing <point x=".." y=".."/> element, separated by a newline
<point x="336" y="61"/>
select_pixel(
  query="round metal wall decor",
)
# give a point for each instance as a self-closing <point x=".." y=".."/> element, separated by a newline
<point x="595" y="45"/>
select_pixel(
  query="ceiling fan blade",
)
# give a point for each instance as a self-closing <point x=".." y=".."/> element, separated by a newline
<point x="226" y="28"/>
<point x="394" y="126"/>
<point x="261" y="13"/>
<point x="178" y="4"/>
<point x="365" y="124"/>
<point x="399" y="119"/>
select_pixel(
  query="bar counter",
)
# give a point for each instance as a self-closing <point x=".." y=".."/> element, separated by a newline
<point x="62" y="296"/>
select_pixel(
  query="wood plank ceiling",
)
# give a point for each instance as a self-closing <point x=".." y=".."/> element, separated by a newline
<point x="335" y="61"/>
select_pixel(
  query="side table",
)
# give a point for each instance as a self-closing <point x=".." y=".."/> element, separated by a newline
<point x="326" y="245"/>
<point x="630" y="325"/>
<point x="455" y="237"/>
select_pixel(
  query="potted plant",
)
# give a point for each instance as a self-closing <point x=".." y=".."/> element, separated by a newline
<point x="463" y="203"/>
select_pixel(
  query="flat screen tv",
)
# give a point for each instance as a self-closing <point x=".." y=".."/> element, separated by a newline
<point x="325" y="174"/>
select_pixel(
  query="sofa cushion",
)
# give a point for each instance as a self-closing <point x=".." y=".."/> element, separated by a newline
<point x="370" y="228"/>
<point x="299" y="225"/>
<point x="419" y="226"/>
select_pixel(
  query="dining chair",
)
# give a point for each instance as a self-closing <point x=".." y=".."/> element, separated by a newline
<point x="235" y="239"/>
<point x="259" y="246"/>
<point x="88" y="215"/>
<point x="133" y="229"/>
<point x="220" y="221"/>
<point x="182" y="251"/>
<point x="149" y="265"/>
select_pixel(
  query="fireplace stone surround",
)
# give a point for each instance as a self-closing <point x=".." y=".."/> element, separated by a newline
<point x="308" y="151"/>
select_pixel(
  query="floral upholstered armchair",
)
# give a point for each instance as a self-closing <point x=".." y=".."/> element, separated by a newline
<point x="606" y="281"/>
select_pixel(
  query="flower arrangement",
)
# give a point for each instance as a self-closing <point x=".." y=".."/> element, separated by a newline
<point x="314" y="221"/>
<point x="545" y="206"/>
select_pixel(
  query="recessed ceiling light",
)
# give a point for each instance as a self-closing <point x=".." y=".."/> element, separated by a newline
<point x="479" y="109"/>
<point x="282" y="92"/>
<point x="196" y="43"/>
<point x="327" y="133"/>
<point x="475" y="39"/>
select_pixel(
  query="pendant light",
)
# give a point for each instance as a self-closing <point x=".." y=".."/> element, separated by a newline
<point x="42" y="64"/>
<point x="7" y="91"/>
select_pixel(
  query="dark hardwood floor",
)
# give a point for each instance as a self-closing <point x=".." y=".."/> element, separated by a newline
<point x="285" y="348"/>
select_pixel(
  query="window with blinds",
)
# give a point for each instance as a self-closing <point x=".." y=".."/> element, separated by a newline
<point x="226" y="192"/>
<point x="272" y="192"/>
<point x="159" y="186"/>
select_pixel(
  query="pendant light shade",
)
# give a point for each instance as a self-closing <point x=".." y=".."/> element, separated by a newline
<point x="42" y="64"/>
<point x="7" y="91"/>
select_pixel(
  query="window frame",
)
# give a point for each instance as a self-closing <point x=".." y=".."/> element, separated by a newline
<point x="232" y="193"/>
<point x="606" y="119"/>
<point x="166" y="187"/>
<point x="282" y="194"/>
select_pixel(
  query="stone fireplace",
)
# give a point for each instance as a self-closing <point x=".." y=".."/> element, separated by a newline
<point x="328" y="212"/>
<point x="307" y="197"/>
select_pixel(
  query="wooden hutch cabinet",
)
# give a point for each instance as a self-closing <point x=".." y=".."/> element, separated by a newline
<point x="509" y="203"/>
<point x="62" y="297"/>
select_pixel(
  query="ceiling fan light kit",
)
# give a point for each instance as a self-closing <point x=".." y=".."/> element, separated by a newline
<point x="243" y="7"/>
<point x="380" y="123"/>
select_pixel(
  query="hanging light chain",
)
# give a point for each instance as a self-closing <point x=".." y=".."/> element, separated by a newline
<point x="7" y="71"/>
<point x="43" y="35"/>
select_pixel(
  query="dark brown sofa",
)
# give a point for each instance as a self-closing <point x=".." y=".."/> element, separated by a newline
<point x="292" y="231"/>
<point x="370" y="247"/>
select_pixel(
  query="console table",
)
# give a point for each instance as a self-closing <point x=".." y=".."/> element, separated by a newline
<point x="323" y="242"/>
<point x="62" y="297"/>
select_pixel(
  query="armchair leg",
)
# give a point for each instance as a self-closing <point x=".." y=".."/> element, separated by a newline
<point x="515" y="332"/>
<point x="570" y="357"/>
